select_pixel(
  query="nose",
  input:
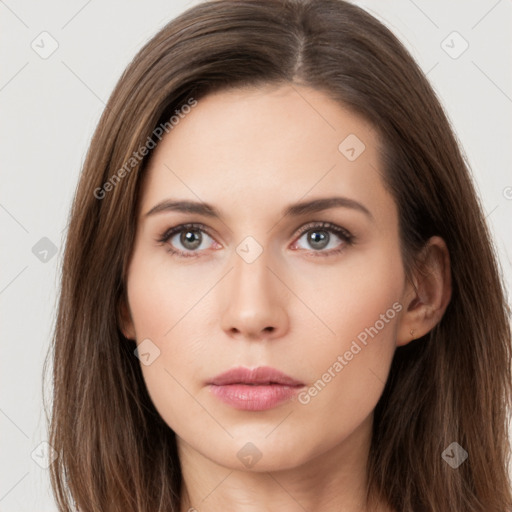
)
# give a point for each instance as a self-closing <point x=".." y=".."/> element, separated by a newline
<point x="255" y="304"/>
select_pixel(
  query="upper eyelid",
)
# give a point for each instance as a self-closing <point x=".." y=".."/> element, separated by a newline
<point x="182" y="227"/>
<point x="328" y="226"/>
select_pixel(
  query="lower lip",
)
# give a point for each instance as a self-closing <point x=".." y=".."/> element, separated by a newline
<point x="254" y="398"/>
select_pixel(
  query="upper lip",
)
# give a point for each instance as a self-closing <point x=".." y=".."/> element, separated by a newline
<point x="261" y="375"/>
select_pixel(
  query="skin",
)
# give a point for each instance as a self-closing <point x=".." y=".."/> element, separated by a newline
<point x="250" y="153"/>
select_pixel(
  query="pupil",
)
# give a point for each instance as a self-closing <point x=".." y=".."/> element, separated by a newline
<point x="190" y="239"/>
<point x="318" y="239"/>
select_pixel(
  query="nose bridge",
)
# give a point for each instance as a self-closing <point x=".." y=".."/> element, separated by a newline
<point x="254" y="305"/>
<point x="251" y="275"/>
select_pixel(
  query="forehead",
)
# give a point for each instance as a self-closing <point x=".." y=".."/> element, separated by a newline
<point x="263" y="146"/>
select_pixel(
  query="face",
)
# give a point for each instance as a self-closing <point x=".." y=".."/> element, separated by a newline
<point x="274" y="275"/>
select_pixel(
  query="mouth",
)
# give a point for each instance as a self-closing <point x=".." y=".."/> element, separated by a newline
<point x="255" y="389"/>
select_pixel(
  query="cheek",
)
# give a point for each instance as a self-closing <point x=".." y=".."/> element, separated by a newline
<point x="156" y="315"/>
<point x="359" y="294"/>
<point x="166" y="309"/>
<point x="160" y="294"/>
<point x="350" y="362"/>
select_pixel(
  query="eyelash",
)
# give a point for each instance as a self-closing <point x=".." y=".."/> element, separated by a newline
<point x="342" y="233"/>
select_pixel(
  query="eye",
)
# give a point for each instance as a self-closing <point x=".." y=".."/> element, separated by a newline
<point x="193" y="238"/>
<point x="319" y="236"/>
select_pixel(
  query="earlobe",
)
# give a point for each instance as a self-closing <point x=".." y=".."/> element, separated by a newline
<point x="428" y="296"/>
<point x="124" y="320"/>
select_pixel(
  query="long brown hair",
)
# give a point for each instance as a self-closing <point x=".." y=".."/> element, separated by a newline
<point x="452" y="385"/>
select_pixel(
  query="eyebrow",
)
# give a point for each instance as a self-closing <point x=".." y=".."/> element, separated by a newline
<point x="293" y="210"/>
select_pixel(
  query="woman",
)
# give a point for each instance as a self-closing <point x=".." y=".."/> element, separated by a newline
<point x="279" y="291"/>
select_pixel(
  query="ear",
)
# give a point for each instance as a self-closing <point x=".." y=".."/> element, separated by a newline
<point x="426" y="298"/>
<point x="124" y="320"/>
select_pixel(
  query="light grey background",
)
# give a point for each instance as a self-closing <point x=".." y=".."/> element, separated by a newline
<point x="50" y="107"/>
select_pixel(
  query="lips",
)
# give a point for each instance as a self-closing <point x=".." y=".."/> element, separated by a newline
<point x="263" y="375"/>
<point x="255" y="389"/>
